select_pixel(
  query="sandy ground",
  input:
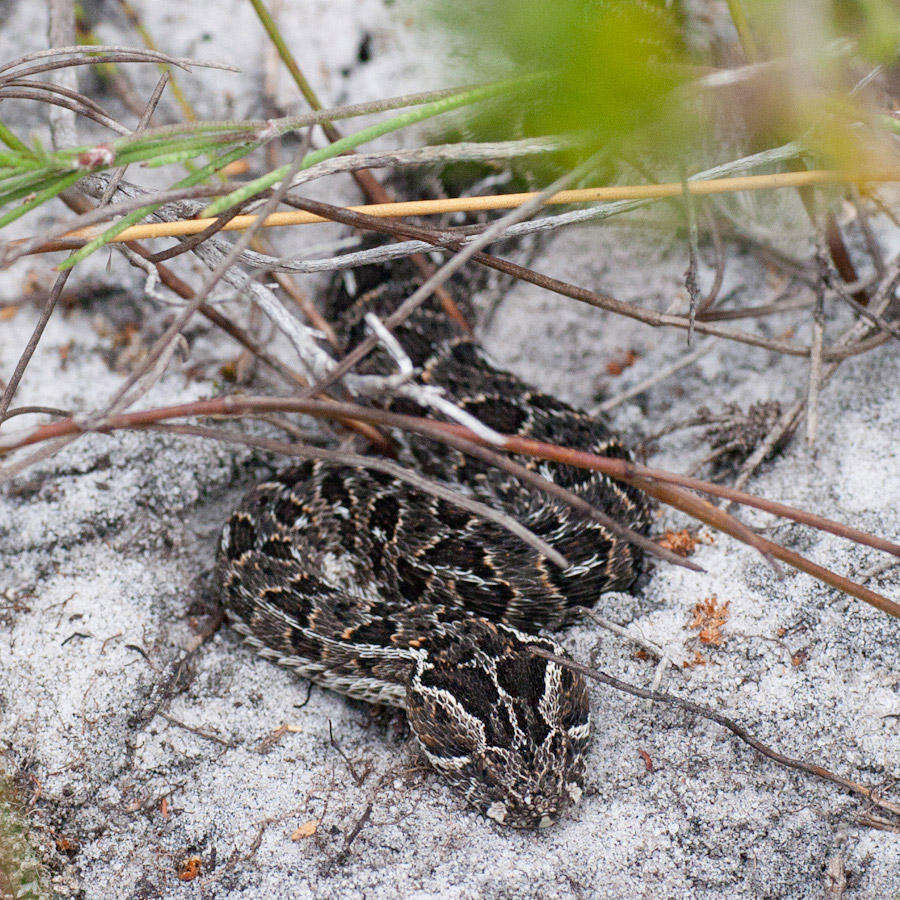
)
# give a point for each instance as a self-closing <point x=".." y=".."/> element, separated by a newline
<point x="104" y="559"/>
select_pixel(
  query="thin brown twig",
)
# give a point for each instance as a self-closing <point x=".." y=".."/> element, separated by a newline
<point x="193" y="729"/>
<point x="815" y="368"/>
<point x="78" y="203"/>
<point x="13" y="384"/>
<point x="62" y="278"/>
<point x="601" y="301"/>
<point x="612" y="466"/>
<point x="37" y="410"/>
<point x="136" y="56"/>
<point x="186" y="244"/>
<point x="143" y="122"/>
<point x="171" y="333"/>
<point x="368" y="184"/>
<point x="549" y="487"/>
<point x="616" y="468"/>
<point x="306" y="451"/>
<point x="789" y="418"/>
<point x="719" y="248"/>
<point x="95" y="215"/>
<point x="52" y="88"/>
<point x="873" y="247"/>
<point x="753" y="312"/>
<point x="706" y="712"/>
<point x="63" y="102"/>
<point x="87" y="53"/>
<point x="690" y="275"/>
<point x="340" y="457"/>
<point x="461" y="257"/>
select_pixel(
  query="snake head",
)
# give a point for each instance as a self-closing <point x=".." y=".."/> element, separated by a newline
<point x="507" y="727"/>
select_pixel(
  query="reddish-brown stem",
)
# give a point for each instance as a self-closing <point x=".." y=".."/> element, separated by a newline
<point x="616" y="468"/>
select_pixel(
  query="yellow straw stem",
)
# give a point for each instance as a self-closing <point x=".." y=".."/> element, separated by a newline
<point x="184" y="227"/>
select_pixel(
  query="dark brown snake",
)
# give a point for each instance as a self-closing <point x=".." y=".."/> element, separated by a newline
<point x="376" y="589"/>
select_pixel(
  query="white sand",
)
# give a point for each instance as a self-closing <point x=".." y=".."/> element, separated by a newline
<point x="104" y="548"/>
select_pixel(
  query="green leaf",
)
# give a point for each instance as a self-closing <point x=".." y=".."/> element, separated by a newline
<point x="133" y="218"/>
<point x="419" y="114"/>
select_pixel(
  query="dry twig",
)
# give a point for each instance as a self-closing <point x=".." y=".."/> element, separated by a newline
<point x="869" y="794"/>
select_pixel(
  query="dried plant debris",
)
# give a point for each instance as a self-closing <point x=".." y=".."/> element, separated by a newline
<point x="733" y="434"/>
<point x="708" y="618"/>
<point x="685" y="541"/>
<point x="190" y="868"/>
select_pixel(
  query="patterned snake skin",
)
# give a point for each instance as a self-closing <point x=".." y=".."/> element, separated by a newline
<point x="373" y="588"/>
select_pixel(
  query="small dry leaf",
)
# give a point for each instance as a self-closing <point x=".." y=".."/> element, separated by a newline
<point x="800" y="657"/>
<point x="238" y="167"/>
<point x="164" y="808"/>
<point x="66" y="845"/>
<point x="645" y="756"/>
<point x="698" y="660"/>
<point x="307" y="829"/>
<point x="681" y="542"/>
<point x="709" y="616"/>
<point x="190" y="868"/>
<point x="622" y="362"/>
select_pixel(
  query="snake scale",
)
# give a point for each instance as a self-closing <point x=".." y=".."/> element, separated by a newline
<point x="371" y="587"/>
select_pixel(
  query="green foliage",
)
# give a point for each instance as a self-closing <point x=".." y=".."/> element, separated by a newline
<point x="20" y="870"/>
<point x="811" y="97"/>
<point x="621" y="73"/>
<point x="34" y="176"/>
<point x="612" y="67"/>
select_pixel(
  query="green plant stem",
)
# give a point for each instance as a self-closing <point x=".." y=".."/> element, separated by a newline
<point x="292" y="123"/>
<point x="48" y="193"/>
<point x="745" y="34"/>
<point x="265" y="17"/>
<point x="412" y="117"/>
<point x="13" y="142"/>
<point x="133" y="218"/>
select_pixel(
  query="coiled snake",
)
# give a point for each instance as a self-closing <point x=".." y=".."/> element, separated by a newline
<point x="373" y="588"/>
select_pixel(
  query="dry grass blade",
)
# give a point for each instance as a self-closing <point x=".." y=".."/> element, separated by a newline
<point x="82" y="55"/>
<point x="182" y="227"/>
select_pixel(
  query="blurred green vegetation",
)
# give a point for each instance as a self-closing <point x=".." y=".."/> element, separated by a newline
<point x="628" y="74"/>
<point x="611" y="68"/>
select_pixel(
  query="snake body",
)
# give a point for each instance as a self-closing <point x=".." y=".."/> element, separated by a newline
<point x="371" y="587"/>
